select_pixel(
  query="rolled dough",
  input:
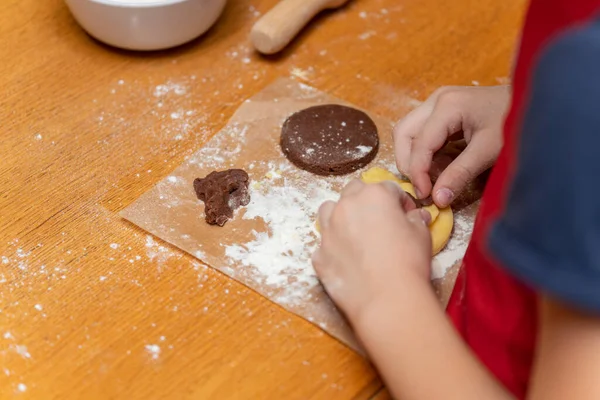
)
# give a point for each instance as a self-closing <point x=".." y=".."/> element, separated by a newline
<point x="442" y="221"/>
<point x="329" y="139"/>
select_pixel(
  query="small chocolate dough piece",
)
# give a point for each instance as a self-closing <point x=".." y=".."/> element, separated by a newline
<point x="329" y="139"/>
<point x="420" y="203"/>
<point x="222" y="192"/>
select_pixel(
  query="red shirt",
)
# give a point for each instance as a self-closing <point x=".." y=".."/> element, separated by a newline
<point x="495" y="313"/>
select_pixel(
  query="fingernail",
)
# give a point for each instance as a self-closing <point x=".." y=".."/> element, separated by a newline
<point x="426" y="216"/>
<point x="444" y="197"/>
<point x="418" y="193"/>
<point x="419" y="216"/>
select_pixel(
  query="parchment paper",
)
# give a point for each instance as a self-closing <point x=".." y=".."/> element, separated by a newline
<point x="267" y="246"/>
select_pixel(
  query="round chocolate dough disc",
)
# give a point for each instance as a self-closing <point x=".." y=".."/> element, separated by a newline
<point x="330" y="139"/>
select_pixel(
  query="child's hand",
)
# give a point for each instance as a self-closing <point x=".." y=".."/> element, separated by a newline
<point x="475" y="113"/>
<point x="371" y="245"/>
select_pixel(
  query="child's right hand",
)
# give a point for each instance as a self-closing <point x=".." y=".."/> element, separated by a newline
<point x="451" y="112"/>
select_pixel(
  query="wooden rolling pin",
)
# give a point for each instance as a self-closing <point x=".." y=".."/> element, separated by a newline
<point x="283" y="22"/>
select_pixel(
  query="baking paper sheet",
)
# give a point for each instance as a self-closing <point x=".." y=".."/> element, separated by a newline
<point x="267" y="246"/>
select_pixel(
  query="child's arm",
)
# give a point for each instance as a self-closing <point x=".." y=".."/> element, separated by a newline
<point x="568" y="354"/>
<point x="418" y="352"/>
<point x="374" y="262"/>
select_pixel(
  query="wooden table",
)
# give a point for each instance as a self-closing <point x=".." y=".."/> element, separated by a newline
<point x="92" y="308"/>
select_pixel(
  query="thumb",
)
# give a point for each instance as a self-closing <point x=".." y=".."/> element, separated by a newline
<point x="406" y="200"/>
<point x="475" y="159"/>
<point x="419" y="219"/>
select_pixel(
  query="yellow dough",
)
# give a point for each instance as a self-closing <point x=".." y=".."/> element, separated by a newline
<point x="377" y="174"/>
<point x="441" y="220"/>
<point x="441" y="230"/>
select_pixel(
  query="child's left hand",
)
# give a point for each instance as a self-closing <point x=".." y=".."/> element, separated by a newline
<point x="373" y="243"/>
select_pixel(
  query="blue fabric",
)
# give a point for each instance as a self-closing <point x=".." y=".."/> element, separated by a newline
<point x="549" y="233"/>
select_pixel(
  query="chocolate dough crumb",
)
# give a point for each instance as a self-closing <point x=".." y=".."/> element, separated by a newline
<point x="420" y="203"/>
<point x="222" y="192"/>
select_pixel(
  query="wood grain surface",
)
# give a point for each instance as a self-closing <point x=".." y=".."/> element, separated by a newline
<point x="90" y="307"/>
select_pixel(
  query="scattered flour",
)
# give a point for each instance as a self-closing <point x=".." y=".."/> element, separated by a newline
<point x="200" y="255"/>
<point x="366" y="35"/>
<point x="364" y="149"/>
<point x="157" y="252"/>
<point x="215" y="153"/>
<point x="21" y="350"/>
<point x="303" y="74"/>
<point x="154" y="350"/>
<point x="307" y="91"/>
<point x="360" y="151"/>
<point x="169" y="87"/>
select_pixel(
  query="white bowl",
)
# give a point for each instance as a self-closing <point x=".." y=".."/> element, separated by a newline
<point x="146" y="24"/>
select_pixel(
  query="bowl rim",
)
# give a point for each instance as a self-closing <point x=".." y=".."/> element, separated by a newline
<point x="138" y="3"/>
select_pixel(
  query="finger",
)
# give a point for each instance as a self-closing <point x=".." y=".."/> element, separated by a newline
<point x="411" y="126"/>
<point x="353" y="187"/>
<point x="419" y="222"/>
<point x="419" y="217"/>
<point x="405" y="131"/>
<point x="393" y="188"/>
<point x="443" y="122"/>
<point x="317" y="261"/>
<point x="324" y="215"/>
<point x="475" y="159"/>
<point x="406" y="200"/>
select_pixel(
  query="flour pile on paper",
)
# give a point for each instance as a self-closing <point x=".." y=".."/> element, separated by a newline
<point x="281" y="255"/>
